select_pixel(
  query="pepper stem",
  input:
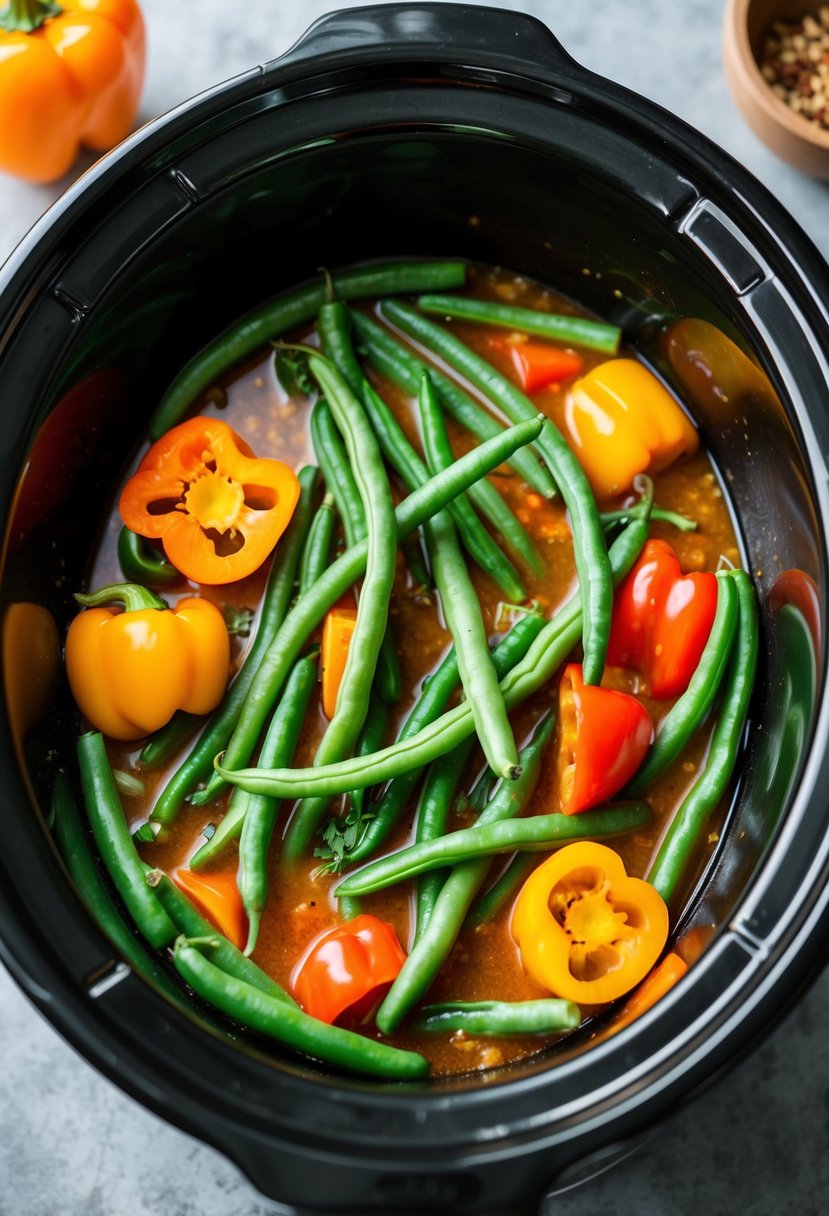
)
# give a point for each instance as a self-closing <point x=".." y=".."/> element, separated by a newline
<point x="131" y="596"/>
<point x="27" y="15"/>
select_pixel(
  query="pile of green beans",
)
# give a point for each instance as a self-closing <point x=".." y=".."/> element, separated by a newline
<point x="307" y="613"/>
<point x="355" y="435"/>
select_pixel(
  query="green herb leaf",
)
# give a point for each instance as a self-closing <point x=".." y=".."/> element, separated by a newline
<point x="341" y="836"/>
<point x="238" y="620"/>
<point x="293" y="374"/>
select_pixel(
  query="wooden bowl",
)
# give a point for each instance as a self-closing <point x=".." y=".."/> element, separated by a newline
<point x="801" y="142"/>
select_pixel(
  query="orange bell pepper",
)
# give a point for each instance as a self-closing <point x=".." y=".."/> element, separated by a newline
<point x="71" y="74"/>
<point x="130" y="671"/>
<point x="620" y="421"/>
<point x="346" y="971"/>
<point x="585" y="930"/>
<point x="217" y="510"/>
<point x="217" y="897"/>
<point x="337" y="632"/>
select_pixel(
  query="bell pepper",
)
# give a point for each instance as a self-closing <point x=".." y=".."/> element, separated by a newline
<point x="217" y="510"/>
<point x="31" y="662"/>
<point x="337" y="632"/>
<point x="71" y="74"/>
<point x="620" y="421"/>
<point x="130" y="671"/>
<point x="604" y="737"/>
<point x="346" y="971"/>
<point x="217" y="897"/>
<point x="585" y="930"/>
<point x="539" y="365"/>
<point x="662" y="619"/>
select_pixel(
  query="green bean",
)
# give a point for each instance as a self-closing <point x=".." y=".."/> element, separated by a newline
<point x="436" y="801"/>
<point x="690" y="711"/>
<point x="544" y="1016"/>
<point x="689" y="821"/>
<point x="141" y="563"/>
<point x="339" y="478"/>
<point x="115" y="844"/>
<point x="432" y="702"/>
<point x="487" y="499"/>
<point x="374" y="729"/>
<point x="225" y="955"/>
<point x="317" y="548"/>
<point x="462" y="611"/>
<point x="588" y="540"/>
<point x="400" y="365"/>
<point x="260" y="816"/>
<point x="548" y="651"/>
<point x="289" y="1025"/>
<point x="406" y="462"/>
<point x="505" y="886"/>
<point x="334" y="328"/>
<point x="428" y="956"/>
<point x="659" y="515"/>
<point x="416" y="565"/>
<point x="578" y="331"/>
<point x="283" y="314"/>
<point x="476" y="539"/>
<point x="309" y="611"/>
<point x="278" y="593"/>
<point x="537" y="834"/>
<point x="165" y="742"/>
<point x="74" y="850"/>
<point x="372" y="612"/>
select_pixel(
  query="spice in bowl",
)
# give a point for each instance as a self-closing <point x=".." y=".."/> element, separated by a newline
<point x="795" y="62"/>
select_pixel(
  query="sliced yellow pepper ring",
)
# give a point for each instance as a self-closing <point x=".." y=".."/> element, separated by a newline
<point x="586" y="931"/>
<point x="620" y="421"/>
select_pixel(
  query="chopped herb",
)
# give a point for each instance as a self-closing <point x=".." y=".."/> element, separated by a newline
<point x="238" y="620"/>
<point x="292" y="372"/>
<point x="341" y="836"/>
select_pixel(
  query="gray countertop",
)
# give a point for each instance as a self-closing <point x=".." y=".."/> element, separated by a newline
<point x="70" y="1143"/>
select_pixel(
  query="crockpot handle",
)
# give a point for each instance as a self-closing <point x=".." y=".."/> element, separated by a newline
<point x="445" y="31"/>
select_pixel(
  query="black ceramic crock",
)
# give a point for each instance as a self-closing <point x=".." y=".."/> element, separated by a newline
<point x="425" y="130"/>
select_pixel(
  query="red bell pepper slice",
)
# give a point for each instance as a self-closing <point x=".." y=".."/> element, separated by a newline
<point x="539" y="365"/>
<point x="661" y="620"/>
<point x="346" y="971"/>
<point x="604" y="737"/>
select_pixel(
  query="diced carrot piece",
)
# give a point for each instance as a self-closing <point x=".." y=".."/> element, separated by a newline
<point x="539" y="365"/>
<point x="653" y="988"/>
<point x="337" y="633"/>
<point x="217" y="897"/>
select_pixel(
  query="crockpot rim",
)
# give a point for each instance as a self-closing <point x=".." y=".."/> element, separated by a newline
<point x="47" y="233"/>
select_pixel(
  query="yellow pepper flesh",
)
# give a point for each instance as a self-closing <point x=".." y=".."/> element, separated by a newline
<point x="130" y="671"/>
<point x="620" y="421"/>
<point x="585" y="930"/>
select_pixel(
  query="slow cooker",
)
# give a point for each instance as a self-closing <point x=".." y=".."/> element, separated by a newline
<point x="428" y="130"/>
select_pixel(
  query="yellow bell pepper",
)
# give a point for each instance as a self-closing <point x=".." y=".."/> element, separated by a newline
<point x="620" y="421"/>
<point x="130" y="671"/>
<point x="585" y="930"/>
<point x="31" y="662"/>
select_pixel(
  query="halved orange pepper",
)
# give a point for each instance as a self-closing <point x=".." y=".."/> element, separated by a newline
<point x="217" y="509"/>
<point x="217" y="897"/>
<point x="620" y="421"/>
<point x="337" y="632"/>
<point x="586" y="931"/>
<point x="71" y="73"/>
<point x="130" y="671"/>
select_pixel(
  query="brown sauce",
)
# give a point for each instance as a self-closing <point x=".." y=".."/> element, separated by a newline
<point x="484" y="963"/>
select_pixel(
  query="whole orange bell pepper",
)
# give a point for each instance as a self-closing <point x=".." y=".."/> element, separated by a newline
<point x="585" y="930"/>
<point x="217" y="509"/>
<point x="130" y="671"/>
<point x="71" y="74"/>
